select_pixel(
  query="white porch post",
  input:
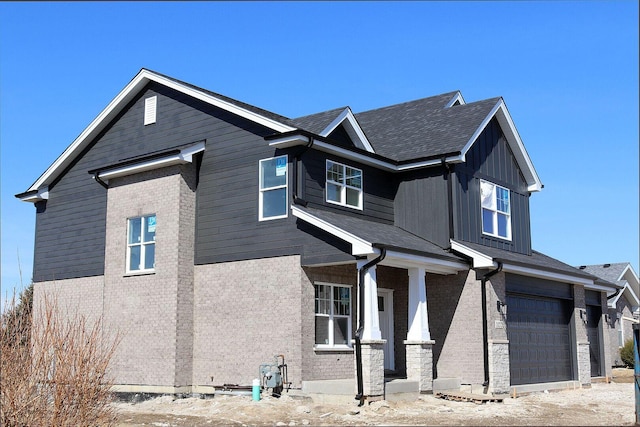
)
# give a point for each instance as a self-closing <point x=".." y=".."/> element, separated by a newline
<point x="419" y="346"/>
<point x="418" y="319"/>
<point x="371" y="320"/>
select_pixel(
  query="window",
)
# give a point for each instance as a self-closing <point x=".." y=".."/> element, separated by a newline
<point x="620" y="332"/>
<point x="333" y="315"/>
<point x="273" y="188"/>
<point x="344" y="185"/>
<point x="496" y="210"/>
<point x="141" y="243"/>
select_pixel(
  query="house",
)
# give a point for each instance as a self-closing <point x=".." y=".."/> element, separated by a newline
<point x="213" y="235"/>
<point x="623" y="306"/>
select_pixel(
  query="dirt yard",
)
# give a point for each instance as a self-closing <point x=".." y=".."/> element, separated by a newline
<point x="602" y="404"/>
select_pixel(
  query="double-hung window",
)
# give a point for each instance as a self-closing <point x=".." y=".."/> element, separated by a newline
<point x="344" y="185"/>
<point x="273" y="188"/>
<point x="333" y="315"/>
<point x="496" y="210"/>
<point x="141" y="243"/>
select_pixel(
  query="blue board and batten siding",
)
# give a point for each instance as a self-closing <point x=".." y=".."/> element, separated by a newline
<point x="491" y="159"/>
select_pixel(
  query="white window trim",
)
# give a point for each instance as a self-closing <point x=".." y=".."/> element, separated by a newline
<point x="495" y="213"/>
<point x="331" y="316"/>
<point x="261" y="190"/>
<point x="343" y="192"/>
<point x="142" y="245"/>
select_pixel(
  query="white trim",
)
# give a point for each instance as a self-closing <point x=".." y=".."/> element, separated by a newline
<point x="184" y="156"/>
<point x="290" y="141"/>
<point x="261" y="190"/>
<point x="332" y="316"/>
<point x="630" y="269"/>
<point x="353" y="128"/>
<point x="41" y="194"/>
<point x="358" y="246"/>
<point x="343" y="186"/>
<point x="389" y="355"/>
<point x="612" y="302"/>
<point x="457" y="97"/>
<point x="432" y="265"/>
<point x="127" y="94"/>
<point x="495" y="211"/>
<point x="479" y="259"/>
<point x="513" y="138"/>
<point x="560" y="277"/>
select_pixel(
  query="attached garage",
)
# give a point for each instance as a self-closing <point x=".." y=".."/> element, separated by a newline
<point x="539" y="330"/>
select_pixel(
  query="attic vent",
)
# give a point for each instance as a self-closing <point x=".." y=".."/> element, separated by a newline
<point x="607" y="265"/>
<point x="150" y="110"/>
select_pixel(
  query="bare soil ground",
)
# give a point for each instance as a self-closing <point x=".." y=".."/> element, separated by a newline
<point x="602" y="404"/>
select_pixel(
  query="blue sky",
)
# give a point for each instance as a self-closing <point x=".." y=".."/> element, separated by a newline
<point x="568" y="72"/>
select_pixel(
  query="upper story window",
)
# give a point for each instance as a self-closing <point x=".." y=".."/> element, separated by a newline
<point x="344" y="185"/>
<point x="273" y="188"/>
<point x="496" y="210"/>
<point x="141" y="243"/>
<point x="333" y="315"/>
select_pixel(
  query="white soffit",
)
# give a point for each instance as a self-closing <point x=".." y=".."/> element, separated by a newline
<point x="358" y="246"/>
<point x="480" y="260"/>
<point x="125" y="96"/>
<point x="513" y="138"/>
<point x="184" y="156"/>
<point x="627" y="289"/>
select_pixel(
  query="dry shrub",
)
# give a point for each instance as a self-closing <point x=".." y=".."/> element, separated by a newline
<point x="53" y="368"/>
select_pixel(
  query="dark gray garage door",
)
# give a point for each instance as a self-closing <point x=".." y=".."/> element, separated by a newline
<point x="539" y="339"/>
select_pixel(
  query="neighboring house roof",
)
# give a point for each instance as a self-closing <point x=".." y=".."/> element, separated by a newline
<point x="367" y="237"/>
<point x="537" y="264"/>
<point x="620" y="273"/>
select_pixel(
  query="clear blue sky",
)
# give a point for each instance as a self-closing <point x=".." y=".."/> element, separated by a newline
<point x="568" y="72"/>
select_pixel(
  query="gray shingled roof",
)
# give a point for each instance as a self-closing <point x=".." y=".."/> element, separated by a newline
<point x="609" y="272"/>
<point x="382" y="235"/>
<point x="423" y="128"/>
<point x="416" y="130"/>
<point x="535" y="260"/>
<point x="316" y="123"/>
<point x="249" y="107"/>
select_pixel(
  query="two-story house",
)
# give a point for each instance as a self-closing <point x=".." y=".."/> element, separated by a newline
<point x="212" y="235"/>
<point x="623" y="305"/>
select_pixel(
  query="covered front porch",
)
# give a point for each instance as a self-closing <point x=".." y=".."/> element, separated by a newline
<point x="392" y="343"/>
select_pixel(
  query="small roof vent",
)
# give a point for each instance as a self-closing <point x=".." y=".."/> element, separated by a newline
<point x="607" y="265"/>
<point x="582" y="267"/>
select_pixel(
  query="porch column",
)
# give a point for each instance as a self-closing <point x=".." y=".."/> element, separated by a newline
<point x="371" y="319"/>
<point x="418" y="345"/>
<point x="371" y="341"/>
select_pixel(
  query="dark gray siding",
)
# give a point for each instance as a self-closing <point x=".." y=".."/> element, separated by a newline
<point x="70" y="230"/>
<point x="379" y="187"/>
<point x="421" y="205"/>
<point x="490" y="158"/>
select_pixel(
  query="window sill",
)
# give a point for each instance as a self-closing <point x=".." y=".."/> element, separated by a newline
<point x="344" y="349"/>
<point x="139" y="273"/>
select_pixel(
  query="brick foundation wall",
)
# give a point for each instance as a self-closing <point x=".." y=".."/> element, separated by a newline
<point x="455" y="320"/>
<point x="245" y="313"/>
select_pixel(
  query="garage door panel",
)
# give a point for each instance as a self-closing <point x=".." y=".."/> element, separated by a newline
<point x="539" y="339"/>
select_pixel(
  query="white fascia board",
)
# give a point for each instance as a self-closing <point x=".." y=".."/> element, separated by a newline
<point x="41" y="194"/>
<point x="353" y="128"/>
<point x="294" y="140"/>
<point x="433" y="265"/>
<point x="126" y="95"/>
<point x="631" y="296"/>
<point x="358" y="246"/>
<point x="549" y="275"/>
<point x="480" y="260"/>
<point x="513" y="139"/>
<point x="456" y="98"/>
<point x="184" y="156"/>
<point x="629" y="269"/>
